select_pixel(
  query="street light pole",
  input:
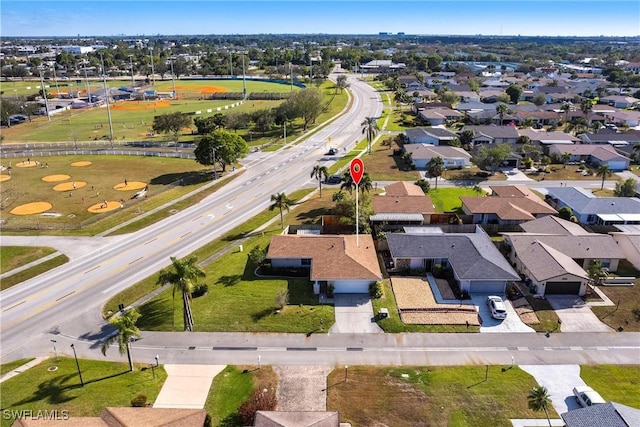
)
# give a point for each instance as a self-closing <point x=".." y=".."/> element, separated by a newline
<point x="44" y="95"/>
<point x="173" y="78"/>
<point x="133" y="83"/>
<point x="73" y="347"/>
<point x="153" y="73"/>
<point x="55" y="351"/>
<point x="106" y="93"/>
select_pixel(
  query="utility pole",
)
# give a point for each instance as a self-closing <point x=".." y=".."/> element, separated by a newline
<point x="244" y="81"/>
<point x="106" y="93"/>
<point x="133" y="84"/>
<point x="153" y="73"/>
<point x="44" y="95"/>
<point x="173" y="78"/>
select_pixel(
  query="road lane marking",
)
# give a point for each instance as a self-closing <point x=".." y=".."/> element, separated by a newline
<point x="14" y="305"/>
<point x="66" y="295"/>
<point x="94" y="268"/>
<point x="152" y="240"/>
<point x="185" y="234"/>
<point x="136" y="260"/>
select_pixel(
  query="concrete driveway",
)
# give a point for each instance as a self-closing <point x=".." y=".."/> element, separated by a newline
<point x="354" y="314"/>
<point x="559" y="381"/>
<point x="575" y="314"/>
<point x="488" y="324"/>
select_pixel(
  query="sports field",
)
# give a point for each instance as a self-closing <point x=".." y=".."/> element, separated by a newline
<point x="132" y="120"/>
<point x="67" y="190"/>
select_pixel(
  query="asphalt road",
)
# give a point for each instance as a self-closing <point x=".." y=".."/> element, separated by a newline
<point x="78" y="289"/>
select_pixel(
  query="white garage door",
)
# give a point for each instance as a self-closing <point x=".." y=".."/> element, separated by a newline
<point x="351" y="287"/>
<point x="487" y="287"/>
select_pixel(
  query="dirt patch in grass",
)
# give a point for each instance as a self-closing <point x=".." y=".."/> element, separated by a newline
<point x="81" y="164"/>
<point x="382" y="165"/>
<point x="69" y="186"/>
<point x="55" y="178"/>
<point x="31" y="208"/>
<point x="625" y="315"/>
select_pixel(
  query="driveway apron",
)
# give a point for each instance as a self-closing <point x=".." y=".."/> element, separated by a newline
<point x="575" y="314"/>
<point x="302" y="388"/>
<point x="186" y="386"/>
<point x="354" y="314"/>
<point x="559" y="381"/>
<point x="511" y="324"/>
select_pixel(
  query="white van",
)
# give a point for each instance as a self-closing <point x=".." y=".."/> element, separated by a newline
<point x="586" y="396"/>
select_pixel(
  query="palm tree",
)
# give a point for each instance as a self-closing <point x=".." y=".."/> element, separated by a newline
<point x="597" y="273"/>
<point x="565" y="158"/>
<point x="636" y="151"/>
<point x="365" y="186"/>
<point x="280" y="201"/>
<point x="126" y="328"/>
<point x="585" y="106"/>
<point x="565" y="108"/>
<point x="435" y="167"/>
<point x="478" y="190"/>
<point x="502" y="109"/>
<point x="538" y="399"/>
<point x="319" y="172"/>
<point x="182" y="277"/>
<point x="370" y="128"/>
<point x="604" y="171"/>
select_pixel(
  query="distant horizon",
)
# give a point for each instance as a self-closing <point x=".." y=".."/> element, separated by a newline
<point x="119" y="18"/>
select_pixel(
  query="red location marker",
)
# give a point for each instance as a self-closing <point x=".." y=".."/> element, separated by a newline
<point x="357" y="169"/>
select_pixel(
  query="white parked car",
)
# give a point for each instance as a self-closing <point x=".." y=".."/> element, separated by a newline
<point x="586" y="396"/>
<point x="497" y="307"/>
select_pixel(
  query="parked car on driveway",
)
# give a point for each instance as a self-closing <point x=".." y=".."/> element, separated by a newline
<point x="497" y="307"/>
<point x="586" y="396"/>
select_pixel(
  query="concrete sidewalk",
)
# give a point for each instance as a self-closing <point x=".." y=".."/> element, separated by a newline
<point x="22" y="368"/>
<point x="187" y="386"/>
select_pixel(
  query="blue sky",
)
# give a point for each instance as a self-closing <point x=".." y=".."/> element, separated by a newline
<point x="108" y="17"/>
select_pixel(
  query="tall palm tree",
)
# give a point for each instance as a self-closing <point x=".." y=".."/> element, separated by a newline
<point x="565" y="108"/>
<point x="597" y="273"/>
<point x="370" y="128"/>
<point x="604" y="171"/>
<point x="435" y="167"/>
<point x="566" y="156"/>
<point x="538" y="399"/>
<point x="319" y="172"/>
<point x="125" y="325"/>
<point x="280" y="201"/>
<point x="585" y="106"/>
<point x="636" y="151"/>
<point x="502" y="109"/>
<point x="182" y="277"/>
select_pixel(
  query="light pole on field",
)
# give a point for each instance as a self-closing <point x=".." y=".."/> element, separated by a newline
<point x="55" y="351"/>
<point x="106" y="94"/>
<point x="73" y="347"/>
<point x="133" y="84"/>
<point x="153" y="73"/>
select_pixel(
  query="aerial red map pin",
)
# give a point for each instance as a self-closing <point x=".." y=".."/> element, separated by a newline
<point x="357" y="169"/>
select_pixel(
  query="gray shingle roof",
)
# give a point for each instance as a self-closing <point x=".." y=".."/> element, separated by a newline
<point x="606" y="414"/>
<point x="552" y="225"/>
<point x="586" y="203"/>
<point x="592" y="245"/>
<point x="472" y="256"/>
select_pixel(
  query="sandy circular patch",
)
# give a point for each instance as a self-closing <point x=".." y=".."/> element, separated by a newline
<point x="100" y="208"/>
<point x="31" y="208"/>
<point x="80" y="164"/>
<point x="131" y="185"/>
<point x="30" y="164"/>
<point x="55" y="178"/>
<point x="68" y="186"/>
<point x="5" y="178"/>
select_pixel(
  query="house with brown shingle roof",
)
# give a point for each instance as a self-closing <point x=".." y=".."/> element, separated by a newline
<point x="404" y="203"/>
<point x="347" y="262"/>
<point x="508" y="204"/>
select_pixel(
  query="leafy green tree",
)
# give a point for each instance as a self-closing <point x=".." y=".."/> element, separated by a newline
<point x="370" y="129"/>
<point x="320" y="172"/>
<point x="264" y="119"/>
<point x="491" y="157"/>
<point x="365" y="186"/>
<point x="586" y="106"/>
<point x="307" y="104"/>
<point x="171" y="123"/>
<point x="435" y="168"/>
<point x="514" y="91"/>
<point x="603" y="171"/>
<point x="424" y="185"/>
<point x="125" y="324"/>
<point x="341" y="82"/>
<point x="565" y="212"/>
<point x="538" y="399"/>
<point x="209" y="124"/>
<point x="466" y="137"/>
<point x="280" y="201"/>
<point x="539" y="99"/>
<point x="502" y="109"/>
<point x="237" y="120"/>
<point x="565" y="158"/>
<point x="625" y="188"/>
<point x="220" y="147"/>
<point x="182" y="276"/>
<point x="597" y="273"/>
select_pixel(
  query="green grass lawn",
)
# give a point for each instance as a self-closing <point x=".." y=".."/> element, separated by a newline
<point x="614" y="383"/>
<point x="26" y="186"/>
<point x="382" y="165"/>
<point x="16" y="256"/>
<point x="8" y="367"/>
<point x="231" y="387"/>
<point x="106" y="384"/>
<point x="445" y="396"/>
<point x="447" y="200"/>
<point x="34" y="271"/>
<point x="626" y="313"/>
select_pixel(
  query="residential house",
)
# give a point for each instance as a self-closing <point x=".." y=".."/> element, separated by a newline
<point x="409" y="81"/>
<point x="590" y="209"/>
<point x="348" y="263"/>
<point x="539" y="117"/>
<point x="493" y="134"/>
<point x="633" y="67"/>
<point x="429" y="135"/>
<point x="594" y="155"/>
<point x="623" y="118"/>
<point x="628" y="239"/>
<point x="476" y="263"/>
<point x="453" y="157"/>
<point x="620" y="101"/>
<point x="381" y="65"/>
<point x="554" y="256"/>
<point x="611" y="137"/>
<point x="439" y="115"/>
<point x="412" y="208"/>
<point x="610" y="414"/>
<point x="509" y="204"/>
<point x="542" y="137"/>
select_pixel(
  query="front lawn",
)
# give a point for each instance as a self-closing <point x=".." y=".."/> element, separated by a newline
<point x="382" y="165"/>
<point x="614" y="383"/>
<point x="16" y="256"/>
<point x="626" y="312"/>
<point x="105" y="384"/>
<point x="434" y="396"/>
<point x="8" y="367"/>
